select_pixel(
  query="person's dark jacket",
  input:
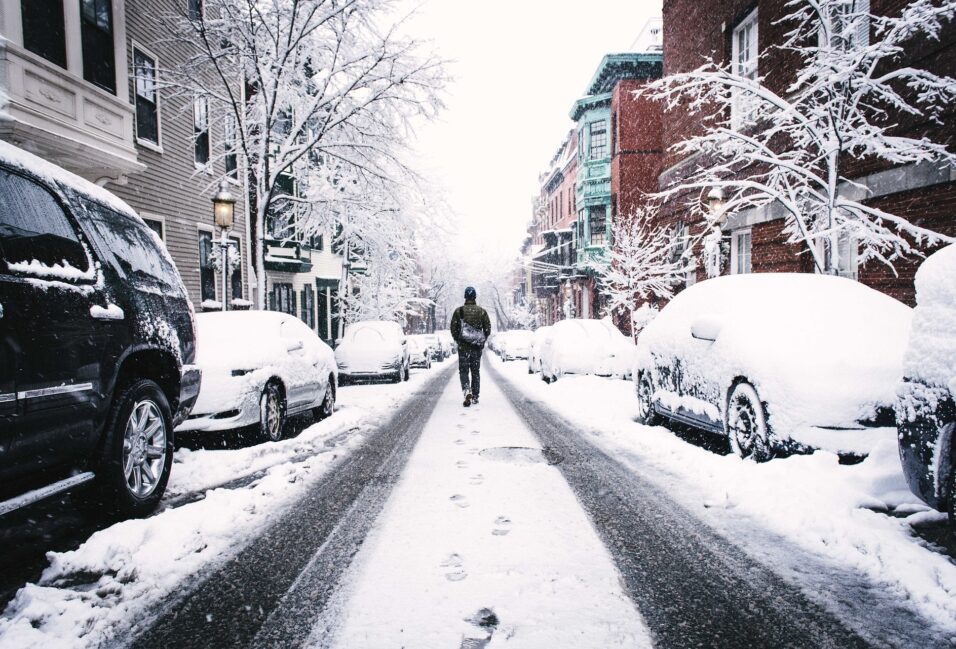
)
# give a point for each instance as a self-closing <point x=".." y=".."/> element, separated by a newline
<point x="474" y="315"/>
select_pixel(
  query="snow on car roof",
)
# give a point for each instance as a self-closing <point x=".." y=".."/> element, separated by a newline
<point x="931" y="353"/>
<point x="26" y="161"/>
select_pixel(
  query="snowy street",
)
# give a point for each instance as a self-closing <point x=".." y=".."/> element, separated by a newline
<point x="524" y="521"/>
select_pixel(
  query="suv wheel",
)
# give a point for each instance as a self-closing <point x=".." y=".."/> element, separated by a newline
<point x="271" y="413"/>
<point x="746" y="424"/>
<point x="950" y="429"/>
<point x="645" y="396"/>
<point x="408" y="373"/>
<point x="137" y="454"/>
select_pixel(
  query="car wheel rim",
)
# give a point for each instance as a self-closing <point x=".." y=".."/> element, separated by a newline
<point x="329" y="405"/>
<point x="744" y="426"/>
<point x="644" y="397"/>
<point x="144" y="448"/>
<point x="270" y="414"/>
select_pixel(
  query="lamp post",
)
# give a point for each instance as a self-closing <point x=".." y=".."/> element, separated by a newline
<point x="223" y="207"/>
<point x="715" y="203"/>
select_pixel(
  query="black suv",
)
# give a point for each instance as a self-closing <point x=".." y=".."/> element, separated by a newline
<point x="96" y="344"/>
<point x="926" y="405"/>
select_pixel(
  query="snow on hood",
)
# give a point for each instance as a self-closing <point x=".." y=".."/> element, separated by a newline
<point x="821" y="350"/>
<point x="238" y="339"/>
<point x="931" y="354"/>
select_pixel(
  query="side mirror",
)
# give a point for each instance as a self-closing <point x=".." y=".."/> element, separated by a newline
<point x="294" y="345"/>
<point x="706" y="328"/>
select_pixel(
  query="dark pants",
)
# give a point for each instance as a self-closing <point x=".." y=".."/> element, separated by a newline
<point x="469" y="360"/>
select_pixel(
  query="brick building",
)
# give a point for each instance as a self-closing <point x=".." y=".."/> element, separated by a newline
<point x="734" y="31"/>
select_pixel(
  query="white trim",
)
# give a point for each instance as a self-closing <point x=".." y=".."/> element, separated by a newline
<point x="735" y="237"/>
<point x="54" y="391"/>
<point x="750" y="68"/>
<point x="158" y="145"/>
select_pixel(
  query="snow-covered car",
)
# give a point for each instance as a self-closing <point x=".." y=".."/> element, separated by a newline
<point x="777" y="362"/>
<point x="373" y="349"/>
<point x="419" y="352"/>
<point x="259" y="367"/>
<point x="534" y="350"/>
<point x="926" y="408"/>
<point x="514" y="345"/>
<point x="447" y="341"/>
<point x="580" y="346"/>
<point x="438" y="349"/>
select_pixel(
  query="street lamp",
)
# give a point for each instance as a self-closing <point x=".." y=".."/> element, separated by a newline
<point x="223" y="207"/>
<point x="715" y="203"/>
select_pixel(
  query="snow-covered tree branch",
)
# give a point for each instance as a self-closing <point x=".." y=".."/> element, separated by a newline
<point x="850" y="100"/>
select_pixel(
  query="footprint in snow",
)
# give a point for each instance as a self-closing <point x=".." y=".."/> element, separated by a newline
<point x="475" y="432"/>
<point x="476" y="479"/>
<point x="502" y="526"/>
<point x="461" y="464"/>
<point x="460" y="500"/>
<point x="459" y="425"/>
<point x="454" y="570"/>
<point x="459" y="442"/>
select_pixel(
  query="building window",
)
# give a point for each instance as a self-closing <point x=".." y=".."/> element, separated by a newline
<point x="308" y="306"/>
<point x="281" y="217"/>
<point x="229" y="146"/>
<point x="156" y="226"/>
<point x="740" y="253"/>
<point x="744" y="65"/>
<point x="194" y="9"/>
<point x="235" y="280"/>
<point x="201" y="130"/>
<point x="207" y="276"/>
<point x="282" y="299"/>
<point x="598" y="219"/>
<point x="845" y="260"/>
<point x="614" y="144"/>
<point x="96" y="27"/>
<point x="598" y="140"/>
<point x="44" y="32"/>
<point x="849" y="25"/>
<point x="147" y="97"/>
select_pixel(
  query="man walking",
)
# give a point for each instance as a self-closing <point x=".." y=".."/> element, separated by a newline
<point x="470" y="327"/>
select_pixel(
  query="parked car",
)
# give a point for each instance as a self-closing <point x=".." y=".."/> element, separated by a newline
<point x="96" y="344"/>
<point x="259" y="368"/>
<point x="534" y="350"/>
<point x="419" y="352"/>
<point x="578" y="346"/>
<point x="926" y="405"/>
<point x="445" y="336"/>
<point x="438" y="349"/>
<point x="373" y="349"/>
<point x="514" y="345"/>
<point x="776" y="361"/>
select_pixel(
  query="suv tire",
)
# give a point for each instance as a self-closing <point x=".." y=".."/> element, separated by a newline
<point x="136" y="456"/>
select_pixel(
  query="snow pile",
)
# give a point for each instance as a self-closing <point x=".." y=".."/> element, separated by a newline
<point x="93" y="595"/>
<point x="820" y="350"/>
<point x="514" y="344"/>
<point x="586" y="347"/>
<point x="541" y="334"/>
<point x="790" y="512"/>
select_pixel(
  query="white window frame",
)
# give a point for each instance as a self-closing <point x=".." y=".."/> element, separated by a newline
<point x="735" y="239"/>
<point x="158" y="144"/>
<point x="150" y="216"/>
<point x="204" y="101"/>
<point x="228" y="120"/>
<point x="848" y="247"/>
<point x="748" y="27"/>
<point x="860" y="32"/>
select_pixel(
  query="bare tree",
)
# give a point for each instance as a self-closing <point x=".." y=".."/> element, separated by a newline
<point x="788" y="151"/>
<point x="315" y="90"/>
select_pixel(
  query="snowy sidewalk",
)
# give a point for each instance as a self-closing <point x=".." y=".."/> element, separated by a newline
<point x="482" y="543"/>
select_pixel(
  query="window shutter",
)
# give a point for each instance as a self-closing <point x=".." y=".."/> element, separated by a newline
<point x="272" y="299"/>
<point x="293" y="296"/>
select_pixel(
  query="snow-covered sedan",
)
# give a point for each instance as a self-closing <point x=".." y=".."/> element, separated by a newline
<point x="580" y="346"/>
<point x="373" y="349"/>
<point x="447" y="341"/>
<point x="926" y="408"/>
<point x="534" y="350"/>
<point x="419" y="352"/>
<point x="259" y="367"/>
<point x="514" y="345"/>
<point x="776" y="361"/>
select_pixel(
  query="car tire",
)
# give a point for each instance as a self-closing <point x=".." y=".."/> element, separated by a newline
<point x="746" y="423"/>
<point x="408" y="373"/>
<point x="136" y="456"/>
<point x="397" y="377"/>
<point x="272" y="409"/>
<point x="327" y="409"/>
<point x="645" y="393"/>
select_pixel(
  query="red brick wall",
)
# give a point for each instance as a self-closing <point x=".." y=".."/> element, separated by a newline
<point x="636" y="163"/>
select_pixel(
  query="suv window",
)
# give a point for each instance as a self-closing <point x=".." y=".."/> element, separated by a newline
<point x="135" y="247"/>
<point x="33" y="227"/>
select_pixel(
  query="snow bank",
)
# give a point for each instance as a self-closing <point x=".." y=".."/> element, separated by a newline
<point x="931" y="354"/>
<point x="820" y="350"/>
<point x="821" y="508"/>
<point x="579" y="346"/>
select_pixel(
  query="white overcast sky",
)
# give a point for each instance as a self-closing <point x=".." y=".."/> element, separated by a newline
<point x="517" y="66"/>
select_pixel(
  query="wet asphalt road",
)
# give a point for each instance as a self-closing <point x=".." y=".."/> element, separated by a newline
<point x="269" y="593"/>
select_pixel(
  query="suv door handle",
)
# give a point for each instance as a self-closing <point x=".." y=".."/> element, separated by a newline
<point x="109" y="312"/>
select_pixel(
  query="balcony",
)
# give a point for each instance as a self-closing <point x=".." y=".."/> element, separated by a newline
<point x="60" y="117"/>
